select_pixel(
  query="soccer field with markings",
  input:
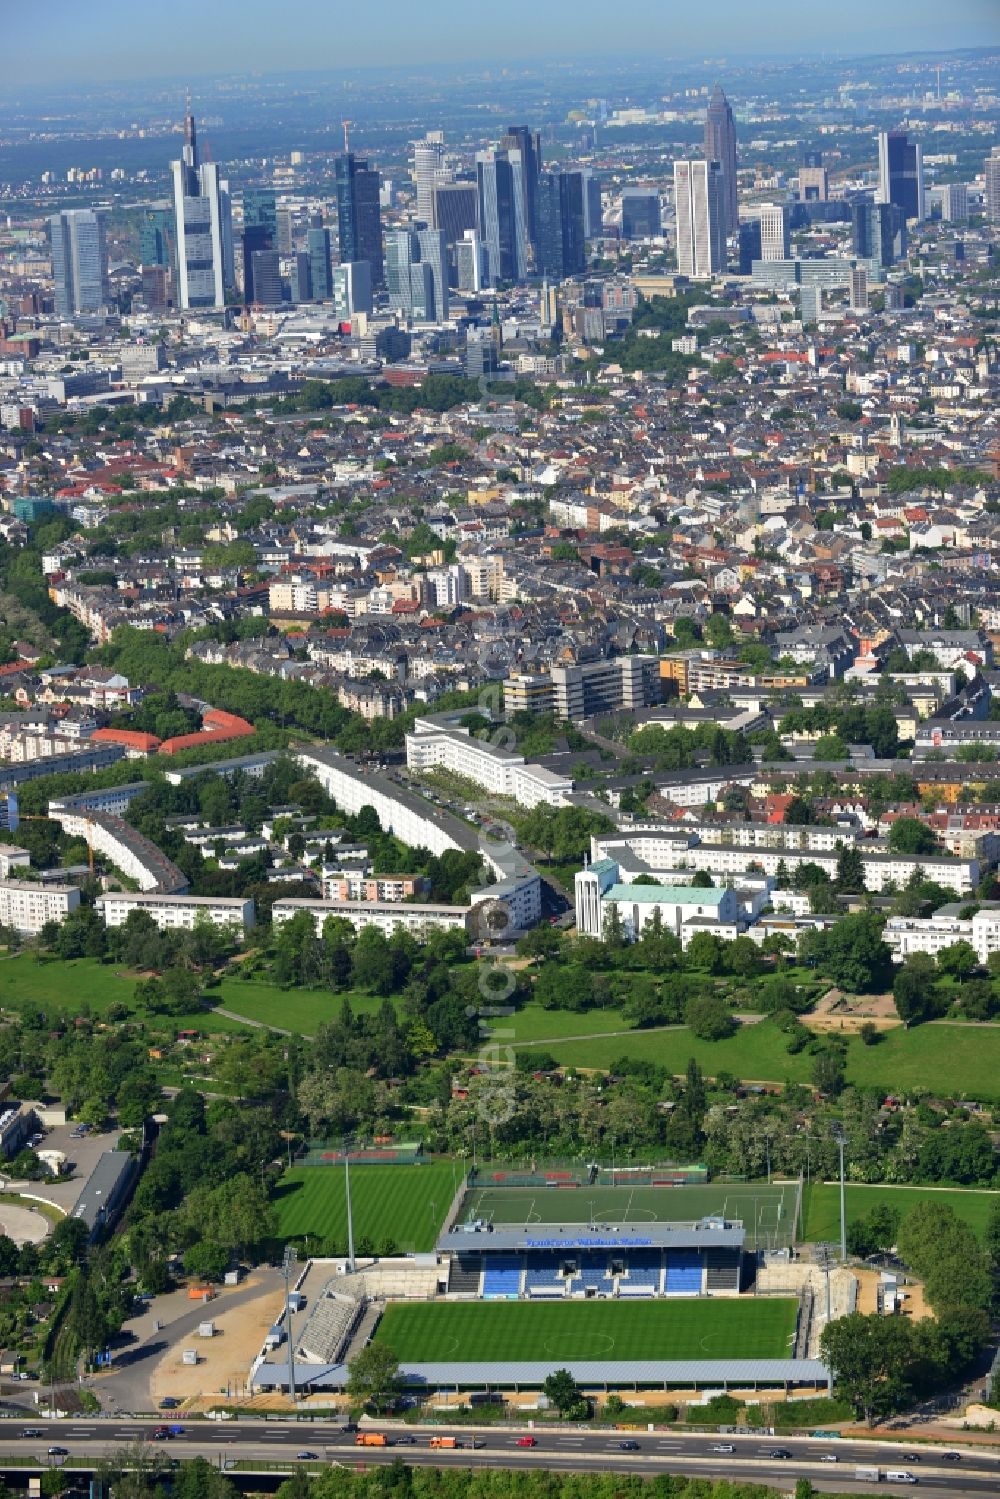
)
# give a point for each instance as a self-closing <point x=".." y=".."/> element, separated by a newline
<point x="489" y="1332"/>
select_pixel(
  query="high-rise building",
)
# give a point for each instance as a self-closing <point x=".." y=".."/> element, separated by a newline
<point x="593" y="207"/>
<point x="641" y="215"/>
<point x="502" y="225"/>
<point x="811" y="304"/>
<point x="428" y="172"/>
<point x="901" y="173"/>
<point x="469" y="262"/>
<point x="700" y="202"/>
<point x="749" y="241"/>
<point x="528" y="144"/>
<point x="79" y="261"/>
<point x="814" y="184"/>
<point x="156" y="237"/>
<point x="203" y="218"/>
<point x="991" y="178"/>
<point x="351" y="289"/>
<point x="775" y="234"/>
<point x="301" y="279"/>
<point x="284" y="231"/>
<point x="260" y="206"/>
<point x="156" y="287"/>
<point x="416" y="273"/>
<point x="878" y="232"/>
<point x="319" y="250"/>
<point x="561" y="248"/>
<point x="359" y="215"/>
<point x="265" y="275"/>
<point x="859" y="289"/>
<point x="454" y="209"/>
<point x="954" y="202"/>
<point x="720" y="146"/>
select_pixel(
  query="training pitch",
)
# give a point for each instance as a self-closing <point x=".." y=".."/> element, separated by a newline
<point x="766" y="1212"/>
<point x="401" y="1205"/>
<point x="527" y="1332"/>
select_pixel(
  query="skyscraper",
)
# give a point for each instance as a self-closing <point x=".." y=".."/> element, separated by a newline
<point x="156" y="237"/>
<point x="428" y="172"/>
<point x="434" y="252"/>
<point x="749" y="240"/>
<point x="320" y="263"/>
<point x="859" y="289"/>
<point x="204" y="227"/>
<point x="502" y="226"/>
<point x="954" y="202"/>
<point x="359" y="216"/>
<point x="720" y="146"/>
<point x="454" y="208"/>
<point x="878" y="232"/>
<point x="775" y="238"/>
<point x="351" y="289"/>
<point x="991" y="177"/>
<point x="699" y="197"/>
<point x="469" y="262"/>
<point x="641" y="214"/>
<point x="901" y="173"/>
<point x="416" y="269"/>
<point x="265" y="274"/>
<point x="260" y="233"/>
<point x="593" y="207"/>
<point x="560" y="205"/>
<point x="79" y="261"/>
<point x="529" y="144"/>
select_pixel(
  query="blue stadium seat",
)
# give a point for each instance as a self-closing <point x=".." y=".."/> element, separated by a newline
<point x="684" y="1272"/>
<point x="645" y="1274"/>
<point x="502" y="1276"/>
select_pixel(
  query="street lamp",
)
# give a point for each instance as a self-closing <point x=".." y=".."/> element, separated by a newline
<point x="288" y="1264"/>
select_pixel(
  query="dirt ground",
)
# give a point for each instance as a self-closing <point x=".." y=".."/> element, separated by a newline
<point x="22" y="1224"/>
<point x="223" y="1361"/>
<point x="837" y="1011"/>
<point x="915" y="1306"/>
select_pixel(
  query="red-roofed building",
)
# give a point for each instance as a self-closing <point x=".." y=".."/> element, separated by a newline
<point x="135" y="744"/>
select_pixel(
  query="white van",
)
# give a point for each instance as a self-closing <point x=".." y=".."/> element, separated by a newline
<point x="900" y="1476"/>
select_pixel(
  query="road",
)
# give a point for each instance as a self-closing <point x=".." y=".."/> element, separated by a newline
<point x="271" y="1442"/>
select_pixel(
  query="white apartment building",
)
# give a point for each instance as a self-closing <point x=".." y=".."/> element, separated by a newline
<point x="906" y="935"/>
<point x="683" y="909"/>
<point x="175" y="912"/>
<point x="27" y="907"/>
<point x="387" y="916"/>
<point x="12" y="858"/>
<point x="497" y="770"/>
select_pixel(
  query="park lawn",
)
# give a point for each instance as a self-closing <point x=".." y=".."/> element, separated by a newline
<point x="498" y="1332"/>
<point x="533" y="1023"/>
<point x="69" y="983"/>
<point x="405" y="1204"/>
<point x="300" y="1010"/>
<point x="821" y="1205"/>
<point x="944" y="1057"/>
<point x="756" y="1052"/>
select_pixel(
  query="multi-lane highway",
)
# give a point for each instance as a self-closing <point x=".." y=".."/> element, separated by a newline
<point x="253" y="1441"/>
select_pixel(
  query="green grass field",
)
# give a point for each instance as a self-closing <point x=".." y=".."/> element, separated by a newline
<point x="301" y="1010"/>
<point x="75" y="983"/>
<point x="767" y="1212"/>
<point x="821" y="1205"/>
<point x="492" y="1332"/>
<point x="406" y="1204"/>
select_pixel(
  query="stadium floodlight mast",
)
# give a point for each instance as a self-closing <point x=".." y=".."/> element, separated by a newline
<point x="350" y="1215"/>
<point x="288" y="1264"/>
<point x="841" y="1140"/>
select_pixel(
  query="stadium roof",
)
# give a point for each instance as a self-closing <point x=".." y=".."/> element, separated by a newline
<point x="735" y="1372"/>
<point x="579" y="1236"/>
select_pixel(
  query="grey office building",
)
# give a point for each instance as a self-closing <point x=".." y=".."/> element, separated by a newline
<point x="359" y="214"/>
<point x="641" y="215"/>
<point x="79" y="261"/>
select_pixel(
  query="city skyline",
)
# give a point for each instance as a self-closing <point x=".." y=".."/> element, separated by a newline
<point x="154" y="44"/>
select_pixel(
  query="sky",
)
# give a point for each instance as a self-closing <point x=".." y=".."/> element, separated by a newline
<point x="55" y="40"/>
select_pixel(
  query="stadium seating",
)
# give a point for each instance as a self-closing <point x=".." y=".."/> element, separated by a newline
<point x="329" y="1326"/>
<point x="543" y="1277"/>
<point x="684" y="1272"/>
<point x="722" y="1270"/>
<point x="502" y="1276"/>
<point x="645" y="1275"/>
<point x="593" y="1276"/>
<point x="466" y="1275"/>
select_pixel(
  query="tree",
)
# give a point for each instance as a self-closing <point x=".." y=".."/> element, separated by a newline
<point x="871" y="1358"/>
<point x="709" y="1018"/>
<point x="373" y="1377"/>
<point x="959" y="960"/>
<point x="562" y="1390"/>
<point x="829" y="747"/>
<point x="914" y="989"/>
<point x="852" y="953"/>
<point x="829" y="1073"/>
<point x="908" y="835"/>
<point x="207" y="1261"/>
<point x="850" y="870"/>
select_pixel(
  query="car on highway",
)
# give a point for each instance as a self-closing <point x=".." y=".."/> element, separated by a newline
<point x="628" y="1446"/>
<point x="58" y="1452"/>
<point x="159" y="1434"/>
<point x="951" y="1457"/>
<point x="31" y="1431"/>
<point x="305" y="1457"/>
<point x="526" y="1442"/>
<point x="778" y="1453"/>
<point x="829" y="1457"/>
<point x="722" y="1447"/>
<point x="911" y="1457"/>
<point x="405" y="1442"/>
<point x="175" y="1431"/>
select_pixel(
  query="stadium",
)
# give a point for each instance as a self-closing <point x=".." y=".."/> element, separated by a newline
<point x="644" y="1282"/>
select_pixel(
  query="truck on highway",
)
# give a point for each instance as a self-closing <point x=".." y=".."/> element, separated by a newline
<point x="868" y="1475"/>
<point x="444" y="1441"/>
<point x="371" y="1439"/>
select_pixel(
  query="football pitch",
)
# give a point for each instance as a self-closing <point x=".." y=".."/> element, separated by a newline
<point x="767" y="1212"/>
<point x="401" y="1205"/>
<point x="525" y="1332"/>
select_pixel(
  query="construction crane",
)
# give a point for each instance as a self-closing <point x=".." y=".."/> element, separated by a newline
<point x="30" y="817"/>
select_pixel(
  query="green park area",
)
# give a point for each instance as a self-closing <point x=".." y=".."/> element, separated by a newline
<point x="821" y="1206"/>
<point x="401" y="1205"/>
<point x="599" y="1331"/>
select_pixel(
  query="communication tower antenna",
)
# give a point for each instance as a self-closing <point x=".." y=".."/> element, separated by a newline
<point x="347" y="138"/>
